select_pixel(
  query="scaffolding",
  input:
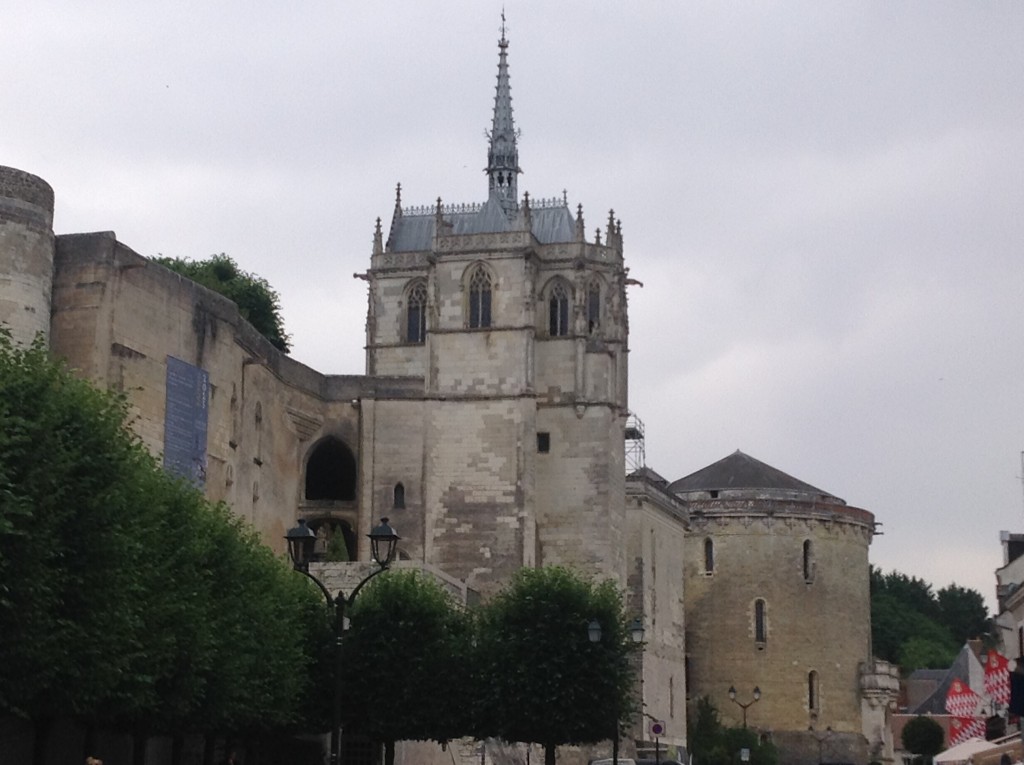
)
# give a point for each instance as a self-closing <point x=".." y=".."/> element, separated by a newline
<point x="636" y="457"/>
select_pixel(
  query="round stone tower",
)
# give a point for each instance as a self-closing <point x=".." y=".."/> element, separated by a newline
<point x="26" y="254"/>
<point x="777" y="599"/>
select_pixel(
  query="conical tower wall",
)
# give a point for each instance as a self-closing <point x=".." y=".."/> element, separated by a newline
<point x="26" y="254"/>
<point x="777" y="598"/>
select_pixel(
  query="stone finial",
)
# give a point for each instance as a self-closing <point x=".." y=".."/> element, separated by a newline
<point x="396" y="216"/>
<point x="618" y="233"/>
<point x="378" y="239"/>
<point x="527" y="212"/>
<point x="581" y="233"/>
<point x="610" y="235"/>
<point x="597" y="236"/>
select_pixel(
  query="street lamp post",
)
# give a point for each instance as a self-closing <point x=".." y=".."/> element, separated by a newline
<point x="636" y="634"/>
<point x="821" y="738"/>
<point x="744" y="706"/>
<point x="383" y="544"/>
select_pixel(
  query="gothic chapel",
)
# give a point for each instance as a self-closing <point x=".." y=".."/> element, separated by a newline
<point x="516" y="325"/>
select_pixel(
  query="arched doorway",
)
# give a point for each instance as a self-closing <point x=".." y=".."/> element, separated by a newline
<point x="331" y="472"/>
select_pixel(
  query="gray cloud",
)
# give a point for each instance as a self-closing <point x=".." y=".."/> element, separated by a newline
<point x="823" y="202"/>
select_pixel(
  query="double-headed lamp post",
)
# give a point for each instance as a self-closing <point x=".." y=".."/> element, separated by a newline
<point x="744" y="706"/>
<point x="301" y="541"/>
<point x="636" y="634"/>
<point x="821" y="738"/>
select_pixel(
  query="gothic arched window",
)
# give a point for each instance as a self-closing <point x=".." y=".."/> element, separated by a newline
<point x="398" y="497"/>
<point x="416" y="313"/>
<point x="479" y="298"/>
<point x="558" y="310"/>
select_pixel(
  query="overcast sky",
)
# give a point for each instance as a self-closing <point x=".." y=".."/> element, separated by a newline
<point x="824" y="202"/>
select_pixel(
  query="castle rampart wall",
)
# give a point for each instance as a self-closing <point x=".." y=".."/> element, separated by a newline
<point x="118" y="317"/>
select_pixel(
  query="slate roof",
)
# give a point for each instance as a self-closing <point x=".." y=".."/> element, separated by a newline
<point x="740" y="471"/>
<point x="415" y="233"/>
<point x="960" y="670"/>
<point x="647" y="474"/>
<point x="413" y="230"/>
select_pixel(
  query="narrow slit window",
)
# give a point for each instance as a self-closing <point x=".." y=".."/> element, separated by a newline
<point x="812" y="691"/>
<point x="760" y="628"/>
<point x="593" y="307"/>
<point x="709" y="556"/>
<point x="808" y="561"/>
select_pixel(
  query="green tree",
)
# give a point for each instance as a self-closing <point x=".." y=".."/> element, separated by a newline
<point x="405" y="670"/>
<point x="547" y="683"/>
<point x="705" y="734"/>
<point x="964" y="612"/>
<point x="917" y="628"/>
<point x="711" y="743"/>
<point x="126" y="599"/>
<point x="69" y="489"/>
<point x="924" y="652"/>
<point x="257" y="301"/>
<point x="923" y="736"/>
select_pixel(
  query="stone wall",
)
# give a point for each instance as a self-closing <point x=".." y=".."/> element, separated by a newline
<point x="118" y="316"/>
<point x="26" y="254"/>
<point x="816" y="614"/>
<point x="655" y="543"/>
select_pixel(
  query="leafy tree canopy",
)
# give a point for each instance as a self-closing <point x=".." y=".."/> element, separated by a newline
<point x="126" y="599"/>
<point x="915" y="627"/>
<point x="257" y="301"/>
<point x="923" y="736"/>
<point x="711" y="743"/>
<point x="405" y="670"/>
<point x="534" y="646"/>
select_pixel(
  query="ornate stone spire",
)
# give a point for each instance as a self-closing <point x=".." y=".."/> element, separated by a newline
<point x="503" y="156"/>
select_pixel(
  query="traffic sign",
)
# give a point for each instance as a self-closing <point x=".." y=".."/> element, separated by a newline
<point x="657" y="728"/>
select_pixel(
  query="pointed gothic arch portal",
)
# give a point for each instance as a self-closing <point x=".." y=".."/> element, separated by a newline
<point x="335" y="540"/>
<point x="331" y="472"/>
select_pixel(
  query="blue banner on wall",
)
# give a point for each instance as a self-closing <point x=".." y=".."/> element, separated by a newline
<point x="185" y="420"/>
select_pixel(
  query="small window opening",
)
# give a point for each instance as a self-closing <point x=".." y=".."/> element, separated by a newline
<point x="808" y="561"/>
<point x="760" y="631"/>
<point x="812" y="691"/>
<point x="543" y="443"/>
<point x="593" y="307"/>
<point x="713" y="493"/>
<point x="709" y="556"/>
<point x="399" y="497"/>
